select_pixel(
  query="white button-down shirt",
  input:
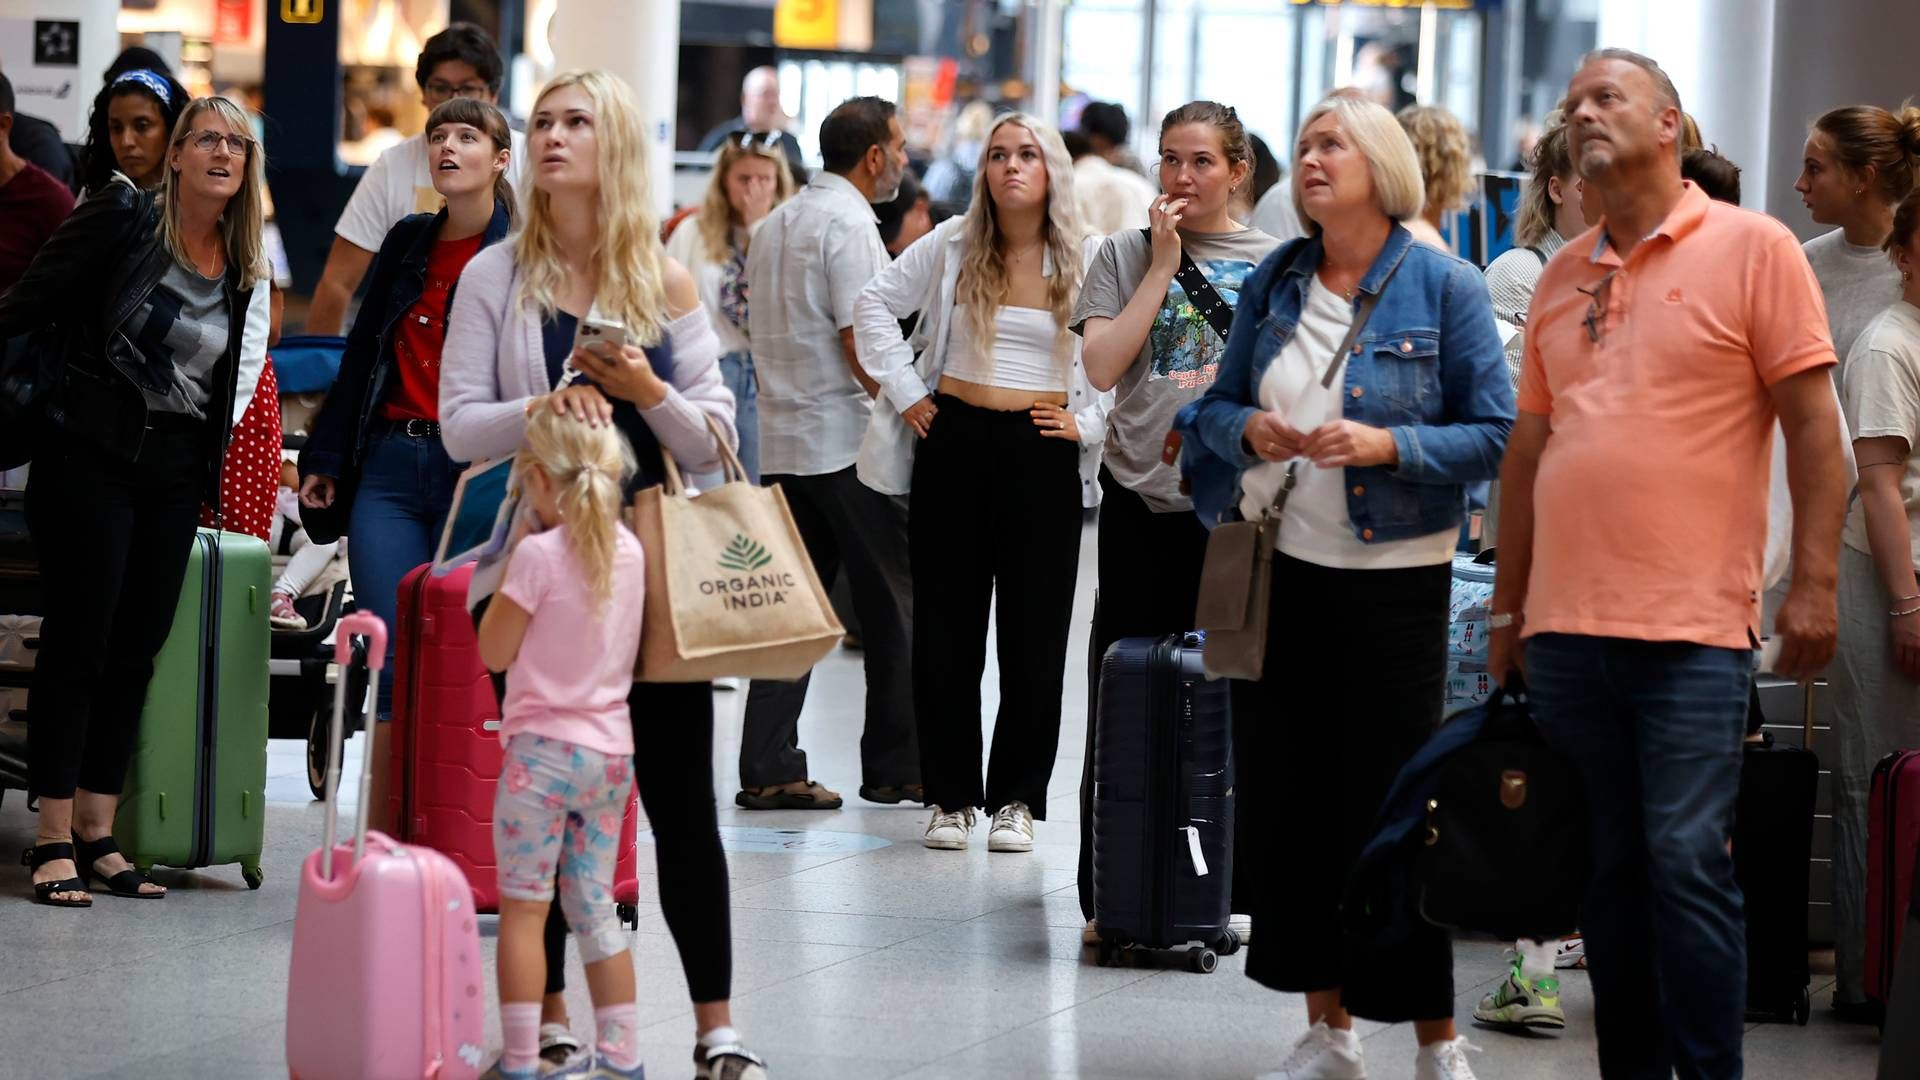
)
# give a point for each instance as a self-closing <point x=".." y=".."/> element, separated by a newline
<point x="809" y="261"/>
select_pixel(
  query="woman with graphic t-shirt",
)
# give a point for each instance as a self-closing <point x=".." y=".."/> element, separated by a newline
<point x="375" y="468"/>
<point x="1145" y="340"/>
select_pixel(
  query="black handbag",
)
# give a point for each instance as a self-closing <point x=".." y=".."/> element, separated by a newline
<point x="1506" y="847"/>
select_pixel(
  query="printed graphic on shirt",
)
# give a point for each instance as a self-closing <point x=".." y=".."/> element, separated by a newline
<point x="1185" y="348"/>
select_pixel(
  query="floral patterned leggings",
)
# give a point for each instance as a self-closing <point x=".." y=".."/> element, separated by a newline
<point x="559" y="809"/>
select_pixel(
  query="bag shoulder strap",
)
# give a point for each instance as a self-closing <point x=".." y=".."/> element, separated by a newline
<point x="1206" y="299"/>
<point x="1538" y="254"/>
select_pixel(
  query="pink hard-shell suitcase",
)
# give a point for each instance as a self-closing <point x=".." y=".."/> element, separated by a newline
<point x="386" y="980"/>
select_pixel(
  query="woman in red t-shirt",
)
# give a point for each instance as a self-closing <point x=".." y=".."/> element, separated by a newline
<point x="374" y="467"/>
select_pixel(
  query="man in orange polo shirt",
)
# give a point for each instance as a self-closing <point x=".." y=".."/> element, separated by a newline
<point x="1661" y="346"/>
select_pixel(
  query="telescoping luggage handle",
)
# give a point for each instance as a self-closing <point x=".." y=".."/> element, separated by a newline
<point x="368" y="625"/>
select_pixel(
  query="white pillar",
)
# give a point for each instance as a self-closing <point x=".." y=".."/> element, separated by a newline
<point x="1719" y="55"/>
<point x="1048" y="21"/>
<point x="641" y="44"/>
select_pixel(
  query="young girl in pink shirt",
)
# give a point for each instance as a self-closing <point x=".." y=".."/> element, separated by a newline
<point x="565" y="626"/>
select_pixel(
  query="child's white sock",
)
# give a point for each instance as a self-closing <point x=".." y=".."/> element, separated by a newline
<point x="720" y="1036"/>
<point x="520" y="1025"/>
<point x="1536" y="959"/>
<point x="616" y="1036"/>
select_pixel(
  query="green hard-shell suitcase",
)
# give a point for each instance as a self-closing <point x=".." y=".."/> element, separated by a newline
<point x="196" y="784"/>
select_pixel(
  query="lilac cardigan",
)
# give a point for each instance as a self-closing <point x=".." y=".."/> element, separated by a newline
<point x="493" y="361"/>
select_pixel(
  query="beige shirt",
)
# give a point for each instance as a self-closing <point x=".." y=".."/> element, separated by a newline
<point x="1880" y="391"/>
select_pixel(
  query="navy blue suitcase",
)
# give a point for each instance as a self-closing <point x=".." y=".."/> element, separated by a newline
<point x="1163" y="803"/>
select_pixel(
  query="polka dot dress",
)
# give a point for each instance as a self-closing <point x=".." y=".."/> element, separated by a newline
<point x="250" y="476"/>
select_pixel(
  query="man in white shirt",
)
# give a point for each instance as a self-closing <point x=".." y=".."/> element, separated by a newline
<point x="810" y="259"/>
<point x="1110" y="199"/>
<point x="460" y="61"/>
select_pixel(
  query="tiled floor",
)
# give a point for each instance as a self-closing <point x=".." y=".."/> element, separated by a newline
<point x="849" y="964"/>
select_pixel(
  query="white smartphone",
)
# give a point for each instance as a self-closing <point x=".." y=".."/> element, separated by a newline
<point x="600" y="335"/>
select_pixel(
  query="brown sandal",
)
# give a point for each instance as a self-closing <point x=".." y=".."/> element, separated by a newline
<point x="776" y="797"/>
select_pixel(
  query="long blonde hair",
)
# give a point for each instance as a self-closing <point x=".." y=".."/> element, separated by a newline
<point x="243" y="219"/>
<point x="983" y="272"/>
<point x="716" y="211"/>
<point x="588" y="466"/>
<point x="628" y="263"/>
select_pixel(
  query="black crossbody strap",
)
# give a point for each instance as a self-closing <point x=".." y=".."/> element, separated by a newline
<point x="1206" y="299"/>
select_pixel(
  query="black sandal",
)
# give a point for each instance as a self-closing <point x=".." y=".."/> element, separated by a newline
<point x="125" y="883"/>
<point x="43" y="891"/>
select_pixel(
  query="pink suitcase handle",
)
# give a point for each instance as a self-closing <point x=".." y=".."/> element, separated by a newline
<point x="368" y="625"/>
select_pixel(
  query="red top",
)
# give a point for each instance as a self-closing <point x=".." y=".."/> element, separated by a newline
<point x="422" y="330"/>
<point x="32" y="205"/>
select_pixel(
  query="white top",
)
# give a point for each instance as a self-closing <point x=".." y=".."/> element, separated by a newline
<point x="399" y="183"/>
<point x="1315" y="527"/>
<point x="810" y="259"/>
<point x="923" y="280"/>
<point x="1275" y="215"/>
<point x="1110" y="199"/>
<point x="1857" y="283"/>
<point x="1881" y="395"/>
<point x="689" y="248"/>
<point x="1025" y="351"/>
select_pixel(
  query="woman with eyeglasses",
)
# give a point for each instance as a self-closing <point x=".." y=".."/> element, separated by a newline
<point x="1364" y="377"/>
<point x="749" y="179"/>
<point x="375" y="468"/>
<point x="152" y="294"/>
<point x="590" y="245"/>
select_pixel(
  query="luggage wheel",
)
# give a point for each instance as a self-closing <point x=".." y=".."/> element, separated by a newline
<point x="252" y="876"/>
<point x="1202" y="960"/>
<point x="1228" y="944"/>
<point x="1802" y="1008"/>
<point x="629" y="915"/>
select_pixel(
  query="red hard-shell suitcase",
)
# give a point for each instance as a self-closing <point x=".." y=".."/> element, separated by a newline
<point x="445" y="743"/>
<point x="1893" y="835"/>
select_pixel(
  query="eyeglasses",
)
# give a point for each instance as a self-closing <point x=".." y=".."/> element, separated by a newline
<point x="755" y="140"/>
<point x="441" y="90"/>
<point x="237" y="145"/>
<point x="1597" y="306"/>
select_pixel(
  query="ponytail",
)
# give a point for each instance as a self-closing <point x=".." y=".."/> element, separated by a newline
<point x="589" y="467"/>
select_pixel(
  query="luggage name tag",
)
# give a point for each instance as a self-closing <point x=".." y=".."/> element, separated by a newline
<point x="1193" y="851"/>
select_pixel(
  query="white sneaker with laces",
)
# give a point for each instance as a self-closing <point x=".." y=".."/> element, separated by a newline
<point x="1012" y="828"/>
<point x="1444" y="1060"/>
<point x="1570" y="952"/>
<point x="949" y="829"/>
<point x="1323" y="1053"/>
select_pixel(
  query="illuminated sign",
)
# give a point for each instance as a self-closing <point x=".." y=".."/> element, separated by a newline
<point x="302" y="12"/>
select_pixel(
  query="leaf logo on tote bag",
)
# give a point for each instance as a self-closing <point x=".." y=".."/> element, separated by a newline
<point x="744" y="554"/>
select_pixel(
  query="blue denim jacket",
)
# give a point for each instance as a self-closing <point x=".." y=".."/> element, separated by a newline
<point x="1427" y="367"/>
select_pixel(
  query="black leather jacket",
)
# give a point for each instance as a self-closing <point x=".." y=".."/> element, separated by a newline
<point x="76" y="297"/>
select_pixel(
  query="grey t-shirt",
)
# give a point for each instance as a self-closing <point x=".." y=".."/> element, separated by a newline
<point x="1181" y="355"/>
<point x="184" y="322"/>
<point x="1858" y="282"/>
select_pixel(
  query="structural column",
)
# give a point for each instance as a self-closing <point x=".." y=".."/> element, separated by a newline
<point x="641" y="44"/>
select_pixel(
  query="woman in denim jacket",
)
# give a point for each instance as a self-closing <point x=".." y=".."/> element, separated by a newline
<point x="1378" y="453"/>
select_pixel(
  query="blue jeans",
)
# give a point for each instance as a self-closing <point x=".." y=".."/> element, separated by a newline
<point x="406" y="489"/>
<point x="737" y="369"/>
<point x="1655" y="729"/>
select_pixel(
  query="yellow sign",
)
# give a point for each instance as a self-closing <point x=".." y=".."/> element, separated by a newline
<point x="806" y="24"/>
<point x="1444" y="5"/>
<point x="302" y="12"/>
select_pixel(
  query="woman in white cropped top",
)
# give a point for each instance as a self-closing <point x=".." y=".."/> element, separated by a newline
<point x="996" y="433"/>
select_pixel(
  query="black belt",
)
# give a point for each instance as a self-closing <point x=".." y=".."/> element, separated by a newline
<point x="412" y="429"/>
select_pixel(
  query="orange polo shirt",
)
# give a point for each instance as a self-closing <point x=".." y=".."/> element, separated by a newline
<point x="1650" y="508"/>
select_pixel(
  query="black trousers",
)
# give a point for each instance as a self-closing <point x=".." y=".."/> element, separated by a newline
<point x="1149" y="578"/>
<point x="673" y="768"/>
<point x="112" y="542"/>
<point x="996" y="514"/>
<point x="1353" y="687"/>
<point x="846" y="526"/>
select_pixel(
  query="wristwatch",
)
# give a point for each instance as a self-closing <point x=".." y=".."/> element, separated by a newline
<point x="1500" y="622"/>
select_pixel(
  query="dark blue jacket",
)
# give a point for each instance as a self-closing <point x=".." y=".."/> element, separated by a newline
<point x="399" y="277"/>
<point x="1428" y="368"/>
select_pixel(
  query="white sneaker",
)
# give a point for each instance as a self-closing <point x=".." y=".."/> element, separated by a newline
<point x="949" y="829"/>
<point x="1570" y="953"/>
<point x="1323" y="1053"/>
<point x="1444" y="1061"/>
<point x="1241" y="925"/>
<point x="1012" y="828"/>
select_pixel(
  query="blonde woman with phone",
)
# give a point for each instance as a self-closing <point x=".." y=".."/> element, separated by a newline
<point x="588" y="257"/>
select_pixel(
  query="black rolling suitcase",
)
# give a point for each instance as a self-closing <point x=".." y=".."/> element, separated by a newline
<point x="1772" y="842"/>
<point x="1162" y="803"/>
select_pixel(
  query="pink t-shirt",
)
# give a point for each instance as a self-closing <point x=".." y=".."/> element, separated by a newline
<point x="575" y="666"/>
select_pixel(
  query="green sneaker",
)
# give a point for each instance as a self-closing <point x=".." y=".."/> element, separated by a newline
<point x="1522" y="1002"/>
